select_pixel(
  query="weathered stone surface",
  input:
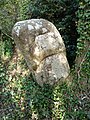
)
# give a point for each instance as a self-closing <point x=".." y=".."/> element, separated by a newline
<point x="43" y="48"/>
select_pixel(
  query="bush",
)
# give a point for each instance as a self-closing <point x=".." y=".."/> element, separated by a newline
<point x="62" y="14"/>
<point x="83" y="28"/>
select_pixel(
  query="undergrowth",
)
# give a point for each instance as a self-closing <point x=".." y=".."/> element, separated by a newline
<point x="23" y="99"/>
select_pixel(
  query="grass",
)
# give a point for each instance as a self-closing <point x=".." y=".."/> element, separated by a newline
<point x="23" y="99"/>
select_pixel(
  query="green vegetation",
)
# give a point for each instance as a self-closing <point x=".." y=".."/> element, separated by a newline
<point x="62" y="14"/>
<point x="21" y="98"/>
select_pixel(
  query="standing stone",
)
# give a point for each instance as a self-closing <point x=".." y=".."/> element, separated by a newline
<point x="43" y="49"/>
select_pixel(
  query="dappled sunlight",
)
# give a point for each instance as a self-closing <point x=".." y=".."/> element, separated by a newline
<point x="23" y="98"/>
<point x="59" y="93"/>
<point x="58" y="105"/>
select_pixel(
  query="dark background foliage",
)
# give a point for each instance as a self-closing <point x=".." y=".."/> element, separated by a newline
<point x="62" y="14"/>
<point x="21" y="98"/>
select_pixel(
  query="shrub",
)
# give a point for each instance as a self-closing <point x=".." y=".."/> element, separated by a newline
<point x="62" y="14"/>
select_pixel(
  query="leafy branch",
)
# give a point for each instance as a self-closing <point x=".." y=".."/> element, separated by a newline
<point x="82" y="61"/>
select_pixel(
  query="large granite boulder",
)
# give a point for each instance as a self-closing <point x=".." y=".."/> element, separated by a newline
<point x="43" y="49"/>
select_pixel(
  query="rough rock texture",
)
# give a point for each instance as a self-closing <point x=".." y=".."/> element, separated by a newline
<point x="43" y="48"/>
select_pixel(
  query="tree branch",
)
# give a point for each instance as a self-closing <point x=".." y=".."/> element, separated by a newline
<point x="7" y="35"/>
<point x="83" y="59"/>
